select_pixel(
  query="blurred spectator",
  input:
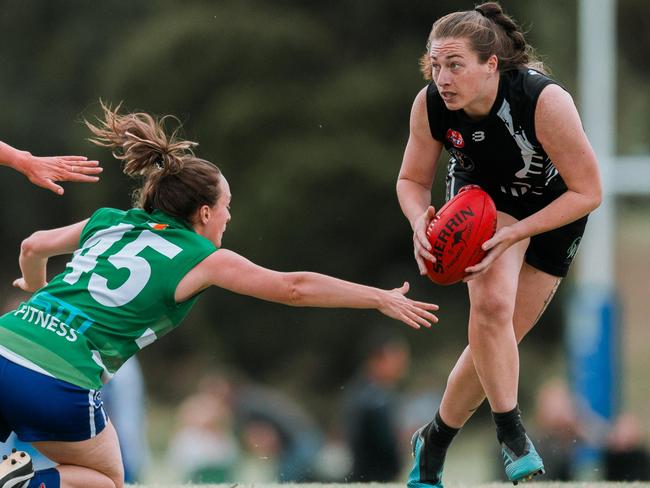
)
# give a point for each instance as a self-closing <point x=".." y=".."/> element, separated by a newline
<point x="274" y="427"/>
<point x="558" y="429"/>
<point x="204" y="448"/>
<point x="626" y="458"/>
<point x="370" y="409"/>
<point x="124" y="402"/>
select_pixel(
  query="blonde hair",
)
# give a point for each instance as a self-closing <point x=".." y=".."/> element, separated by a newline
<point x="174" y="180"/>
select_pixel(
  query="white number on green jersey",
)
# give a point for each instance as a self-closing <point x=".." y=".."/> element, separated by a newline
<point x="85" y="260"/>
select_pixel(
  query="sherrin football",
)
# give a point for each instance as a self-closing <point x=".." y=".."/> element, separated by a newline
<point x="457" y="232"/>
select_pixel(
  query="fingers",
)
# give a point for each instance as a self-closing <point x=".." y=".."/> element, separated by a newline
<point x="421" y="265"/>
<point x="78" y="177"/>
<point x="50" y="185"/>
<point x="421" y="317"/>
<point x="489" y="244"/>
<point x="19" y="283"/>
<point x="426" y="306"/>
<point x="410" y="322"/>
<point x="85" y="167"/>
<point x="404" y="289"/>
<point x="80" y="159"/>
<point x="81" y="170"/>
<point x="422" y="254"/>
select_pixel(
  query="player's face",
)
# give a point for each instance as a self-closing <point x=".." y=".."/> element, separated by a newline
<point x="210" y="222"/>
<point x="462" y="81"/>
<point x="221" y="212"/>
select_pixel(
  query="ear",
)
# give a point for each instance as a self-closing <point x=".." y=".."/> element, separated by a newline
<point x="204" y="214"/>
<point x="493" y="63"/>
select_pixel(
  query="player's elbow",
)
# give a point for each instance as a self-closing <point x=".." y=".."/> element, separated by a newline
<point x="296" y="293"/>
<point x="595" y="198"/>
<point x="32" y="246"/>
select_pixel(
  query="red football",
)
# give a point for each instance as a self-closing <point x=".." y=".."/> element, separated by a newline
<point x="457" y="232"/>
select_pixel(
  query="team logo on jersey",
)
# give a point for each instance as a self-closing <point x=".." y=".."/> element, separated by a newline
<point x="478" y="136"/>
<point x="461" y="159"/>
<point x="455" y="137"/>
<point x="155" y="226"/>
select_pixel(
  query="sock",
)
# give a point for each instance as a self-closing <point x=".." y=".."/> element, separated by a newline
<point x="510" y="430"/>
<point x="45" y="478"/>
<point x="437" y="438"/>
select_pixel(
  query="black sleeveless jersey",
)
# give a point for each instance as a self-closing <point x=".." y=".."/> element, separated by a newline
<point x="499" y="152"/>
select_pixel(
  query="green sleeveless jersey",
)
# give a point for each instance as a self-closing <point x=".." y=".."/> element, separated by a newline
<point x="115" y="297"/>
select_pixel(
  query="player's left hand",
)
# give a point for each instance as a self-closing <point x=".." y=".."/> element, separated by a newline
<point x="23" y="285"/>
<point x="495" y="247"/>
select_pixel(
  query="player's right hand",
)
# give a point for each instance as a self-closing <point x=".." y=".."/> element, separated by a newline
<point x="421" y="245"/>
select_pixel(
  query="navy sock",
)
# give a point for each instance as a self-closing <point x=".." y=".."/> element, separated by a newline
<point x="45" y="478"/>
<point x="510" y="430"/>
<point x="437" y="438"/>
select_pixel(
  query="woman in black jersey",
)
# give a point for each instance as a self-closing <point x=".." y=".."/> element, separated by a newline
<point x="516" y="133"/>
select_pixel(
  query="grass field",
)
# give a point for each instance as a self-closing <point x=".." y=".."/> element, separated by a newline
<point x="536" y="484"/>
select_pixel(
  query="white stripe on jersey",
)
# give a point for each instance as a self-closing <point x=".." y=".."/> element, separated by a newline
<point x="21" y="361"/>
<point x="91" y="411"/>
<point x="533" y="162"/>
<point x="452" y="180"/>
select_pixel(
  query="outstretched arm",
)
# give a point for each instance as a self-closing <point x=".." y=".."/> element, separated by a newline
<point x="45" y="171"/>
<point x="233" y="272"/>
<point x="39" y="247"/>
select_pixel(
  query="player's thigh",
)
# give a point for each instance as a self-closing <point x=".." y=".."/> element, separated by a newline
<point x="497" y="287"/>
<point x="535" y="291"/>
<point x="100" y="453"/>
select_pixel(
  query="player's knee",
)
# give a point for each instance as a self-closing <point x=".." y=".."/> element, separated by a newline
<point x="492" y="309"/>
<point x="116" y="477"/>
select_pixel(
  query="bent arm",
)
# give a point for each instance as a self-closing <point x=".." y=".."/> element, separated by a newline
<point x="416" y="177"/>
<point x="233" y="272"/>
<point x="418" y="164"/>
<point x="560" y="132"/>
<point x="39" y="247"/>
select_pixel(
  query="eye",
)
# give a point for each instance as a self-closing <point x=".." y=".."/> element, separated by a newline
<point x="455" y="65"/>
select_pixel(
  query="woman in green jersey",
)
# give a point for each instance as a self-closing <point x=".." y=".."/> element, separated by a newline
<point x="133" y="277"/>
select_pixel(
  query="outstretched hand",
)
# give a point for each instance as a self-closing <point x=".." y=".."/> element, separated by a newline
<point x="44" y="171"/>
<point x="421" y="244"/>
<point x="414" y="314"/>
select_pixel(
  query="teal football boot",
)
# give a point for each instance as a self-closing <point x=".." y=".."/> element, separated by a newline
<point x="524" y="467"/>
<point x="421" y="476"/>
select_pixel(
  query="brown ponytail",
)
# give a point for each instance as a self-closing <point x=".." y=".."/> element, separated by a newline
<point x="174" y="179"/>
<point x="489" y="31"/>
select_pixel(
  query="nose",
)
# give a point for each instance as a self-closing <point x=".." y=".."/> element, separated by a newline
<point x="443" y="78"/>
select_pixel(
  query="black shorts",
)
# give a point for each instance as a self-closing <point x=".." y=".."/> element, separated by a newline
<point x="551" y="252"/>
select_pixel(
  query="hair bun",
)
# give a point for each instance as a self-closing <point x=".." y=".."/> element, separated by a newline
<point x="494" y="12"/>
